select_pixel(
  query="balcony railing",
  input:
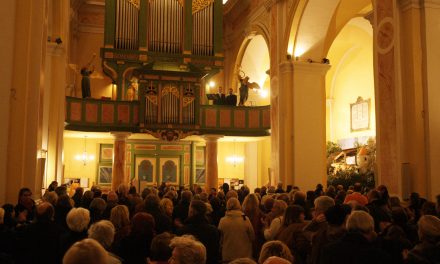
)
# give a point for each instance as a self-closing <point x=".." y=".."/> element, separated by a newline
<point x="133" y="116"/>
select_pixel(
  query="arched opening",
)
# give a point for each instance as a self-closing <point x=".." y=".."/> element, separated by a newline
<point x="255" y="64"/>
<point x="350" y="108"/>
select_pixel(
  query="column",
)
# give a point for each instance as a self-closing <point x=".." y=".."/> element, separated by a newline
<point x="309" y="104"/>
<point x="387" y="95"/>
<point x="286" y="101"/>
<point x="119" y="150"/>
<point x="211" y="162"/>
<point x="431" y="93"/>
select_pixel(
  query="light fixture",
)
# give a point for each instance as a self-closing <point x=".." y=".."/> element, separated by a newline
<point x="211" y="84"/>
<point x="84" y="157"/>
<point x="234" y="159"/>
<point x="264" y="93"/>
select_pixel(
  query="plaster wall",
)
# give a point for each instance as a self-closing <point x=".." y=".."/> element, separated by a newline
<point x="351" y="76"/>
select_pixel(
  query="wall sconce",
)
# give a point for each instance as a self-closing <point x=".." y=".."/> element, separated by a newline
<point x="84" y="157"/>
<point x="114" y="88"/>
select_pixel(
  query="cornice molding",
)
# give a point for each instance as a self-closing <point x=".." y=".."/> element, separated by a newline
<point x="314" y="67"/>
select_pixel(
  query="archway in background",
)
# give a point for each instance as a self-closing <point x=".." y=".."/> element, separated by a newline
<point x="255" y="63"/>
<point x="351" y="77"/>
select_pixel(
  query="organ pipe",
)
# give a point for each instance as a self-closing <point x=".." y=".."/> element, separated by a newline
<point x="127" y="25"/>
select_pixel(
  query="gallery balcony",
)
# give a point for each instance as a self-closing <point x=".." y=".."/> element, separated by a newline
<point x="181" y="117"/>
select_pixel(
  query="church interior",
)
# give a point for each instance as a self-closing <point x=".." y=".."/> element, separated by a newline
<point x="104" y="92"/>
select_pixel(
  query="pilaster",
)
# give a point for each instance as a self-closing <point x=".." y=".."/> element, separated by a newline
<point x="211" y="161"/>
<point x="119" y="150"/>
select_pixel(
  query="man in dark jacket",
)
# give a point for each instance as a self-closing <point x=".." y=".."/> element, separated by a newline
<point x="198" y="226"/>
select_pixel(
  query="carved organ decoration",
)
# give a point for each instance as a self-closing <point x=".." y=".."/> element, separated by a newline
<point x="203" y="27"/>
<point x="188" y="107"/>
<point x="127" y="24"/>
<point x="165" y="33"/>
<point x="151" y="103"/>
<point x="170" y="104"/>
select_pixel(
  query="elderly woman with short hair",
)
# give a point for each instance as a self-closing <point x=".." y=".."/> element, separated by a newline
<point x="103" y="232"/>
<point x="237" y="233"/>
<point x="77" y="220"/>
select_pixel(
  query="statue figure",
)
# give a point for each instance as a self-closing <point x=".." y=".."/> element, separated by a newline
<point x="132" y="90"/>
<point x="244" y="89"/>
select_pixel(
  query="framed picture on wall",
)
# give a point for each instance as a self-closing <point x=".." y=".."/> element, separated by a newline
<point x="106" y="153"/>
<point x="105" y="174"/>
<point x="360" y="115"/>
<point x="200" y="156"/>
<point x="145" y="170"/>
<point x="200" y="176"/>
<point x="169" y="170"/>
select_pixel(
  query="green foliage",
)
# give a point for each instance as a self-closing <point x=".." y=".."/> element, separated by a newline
<point x="333" y="147"/>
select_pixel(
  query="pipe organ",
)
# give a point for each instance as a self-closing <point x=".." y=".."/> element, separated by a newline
<point x="203" y="26"/>
<point x="172" y="47"/>
<point x="165" y="22"/>
<point x="127" y="24"/>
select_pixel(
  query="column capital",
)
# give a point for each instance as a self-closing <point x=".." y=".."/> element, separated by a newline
<point x="286" y="66"/>
<point x="212" y="138"/>
<point x="311" y="68"/>
<point x="120" y="135"/>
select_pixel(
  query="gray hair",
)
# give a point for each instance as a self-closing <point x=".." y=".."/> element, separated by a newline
<point x="190" y="251"/>
<point x="360" y="221"/>
<point x="103" y="232"/>
<point x="233" y="204"/>
<point x="78" y="219"/>
<point x="323" y="203"/>
<point x="86" y="251"/>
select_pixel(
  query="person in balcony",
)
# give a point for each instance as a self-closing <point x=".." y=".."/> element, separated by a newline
<point x="231" y="99"/>
<point x="220" y="97"/>
<point x="85" y="81"/>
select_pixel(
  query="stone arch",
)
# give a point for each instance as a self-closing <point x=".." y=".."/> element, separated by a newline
<point x="255" y="30"/>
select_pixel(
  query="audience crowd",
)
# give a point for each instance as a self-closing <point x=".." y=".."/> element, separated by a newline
<point x="270" y="225"/>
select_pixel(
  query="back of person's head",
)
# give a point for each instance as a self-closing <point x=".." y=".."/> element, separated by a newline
<point x="293" y="215"/>
<point x="428" y="208"/>
<point x="233" y="204"/>
<point x="299" y="197"/>
<point x="119" y="216"/>
<point x="275" y="248"/>
<point x="231" y="194"/>
<point x="198" y="208"/>
<point x="87" y="251"/>
<point x="186" y="197"/>
<point x="160" y="249"/>
<point x="112" y="197"/>
<point x="251" y="204"/>
<point x="360" y="221"/>
<point x="336" y="215"/>
<point x="357" y="187"/>
<point x="102" y="231"/>
<point x="98" y="205"/>
<point x="279" y="206"/>
<point x="276" y="260"/>
<point x="61" y="190"/>
<point x="373" y="195"/>
<point x="50" y="197"/>
<point x="45" y="212"/>
<point x="123" y="190"/>
<point x="243" y="261"/>
<point x="142" y="224"/>
<point x="188" y="250"/>
<point x="267" y="202"/>
<point x="64" y="201"/>
<point x="429" y="228"/>
<point x="152" y="202"/>
<point x="323" y="203"/>
<point x="78" y="219"/>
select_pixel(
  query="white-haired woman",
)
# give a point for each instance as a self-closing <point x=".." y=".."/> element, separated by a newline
<point x="77" y="220"/>
<point x="237" y="233"/>
<point x="103" y="231"/>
